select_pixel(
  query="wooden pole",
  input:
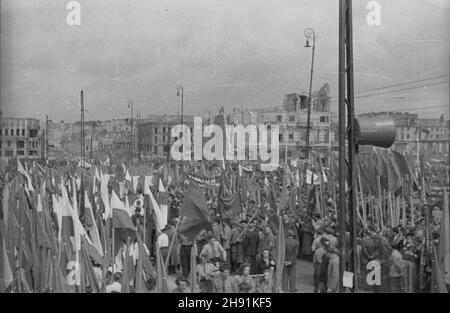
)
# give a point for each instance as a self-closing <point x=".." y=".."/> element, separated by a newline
<point x="380" y="202"/>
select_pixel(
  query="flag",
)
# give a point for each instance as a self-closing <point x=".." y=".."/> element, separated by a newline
<point x="161" y="186"/>
<point x="195" y="211"/>
<point x="153" y="205"/>
<point x="91" y="225"/>
<point x="22" y="171"/>
<point x="6" y="274"/>
<point x="229" y="205"/>
<point x="121" y="216"/>
<point x="129" y="183"/>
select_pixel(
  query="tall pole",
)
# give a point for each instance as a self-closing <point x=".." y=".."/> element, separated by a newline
<point x="139" y="134"/>
<point x="351" y="141"/>
<point x="82" y="128"/>
<point x="46" y="136"/>
<point x="309" y="33"/>
<point x="341" y="110"/>
<point x="130" y="105"/>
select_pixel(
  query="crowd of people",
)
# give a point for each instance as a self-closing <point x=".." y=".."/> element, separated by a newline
<point x="240" y="253"/>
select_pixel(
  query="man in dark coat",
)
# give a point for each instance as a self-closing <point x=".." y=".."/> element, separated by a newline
<point x="289" y="271"/>
<point x="251" y="243"/>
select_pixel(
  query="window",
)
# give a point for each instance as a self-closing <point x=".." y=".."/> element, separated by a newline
<point x="23" y="132"/>
<point x="156" y="130"/>
<point x="9" y="143"/>
<point x="324" y="119"/>
<point x="6" y="132"/>
<point x="291" y="118"/>
<point x="291" y="136"/>
<point x="1" y="131"/>
<point x="20" y="152"/>
<point x="21" y="144"/>
<point x="280" y="137"/>
<point x="279" y="118"/>
<point x="17" y="132"/>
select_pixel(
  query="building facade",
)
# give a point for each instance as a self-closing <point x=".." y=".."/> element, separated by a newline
<point x="20" y="137"/>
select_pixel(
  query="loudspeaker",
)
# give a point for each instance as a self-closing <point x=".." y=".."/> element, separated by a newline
<point x="378" y="131"/>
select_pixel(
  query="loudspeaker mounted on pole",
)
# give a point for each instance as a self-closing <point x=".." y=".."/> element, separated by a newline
<point x="378" y="131"/>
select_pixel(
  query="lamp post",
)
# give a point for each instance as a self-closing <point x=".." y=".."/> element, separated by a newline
<point x="310" y="35"/>
<point x="180" y="92"/>
<point x="130" y="106"/>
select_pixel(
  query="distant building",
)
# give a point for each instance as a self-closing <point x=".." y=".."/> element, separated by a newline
<point x="20" y="137"/>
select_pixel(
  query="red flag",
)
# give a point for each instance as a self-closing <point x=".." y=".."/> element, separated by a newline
<point x="196" y="212"/>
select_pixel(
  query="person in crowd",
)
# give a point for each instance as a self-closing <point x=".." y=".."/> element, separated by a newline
<point x="269" y="241"/>
<point x="333" y="270"/>
<point x="226" y="238"/>
<point x="234" y="246"/>
<point x="396" y="268"/>
<point x="289" y="271"/>
<point x="308" y="237"/>
<point x="251" y="241"/>
<point x="245" y="277"/>
<point x="265" y="262"/>
<point x="225" y="283"/>
<point x="317" y="262"/>
<point x="185" y="254"/>
<point x="266" y="285"/>
<point x="213" y="249"/>
<point x="116" y="286"/>
<point x="163" y="243"/>
<point x="182" y="285"/>
<point x="206" y="272"/>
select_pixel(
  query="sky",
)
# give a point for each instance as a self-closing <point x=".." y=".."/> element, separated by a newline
<point x="236" y="53"/>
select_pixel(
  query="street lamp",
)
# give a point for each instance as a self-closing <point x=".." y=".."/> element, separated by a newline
<point x="130" y="106"/>
<point x="310" y="35"/>
<point x="180" y="92"/>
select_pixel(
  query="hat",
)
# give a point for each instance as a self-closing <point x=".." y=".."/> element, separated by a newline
<point x="329" y="230"/>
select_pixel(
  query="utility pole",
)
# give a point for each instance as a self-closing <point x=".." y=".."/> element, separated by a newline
<point x="346" y="101"/>
<point x="82" y="129"/>
<point x="130" y="105"/>
<point x="309" y="33"/>
<point x="139" y="134"/>
<point x="46" y="132"/>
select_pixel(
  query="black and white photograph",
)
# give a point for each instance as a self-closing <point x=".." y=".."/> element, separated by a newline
<point x="212" y="148"/>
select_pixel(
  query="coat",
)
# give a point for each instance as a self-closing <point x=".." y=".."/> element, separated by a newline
<point x="251" y="242"/>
